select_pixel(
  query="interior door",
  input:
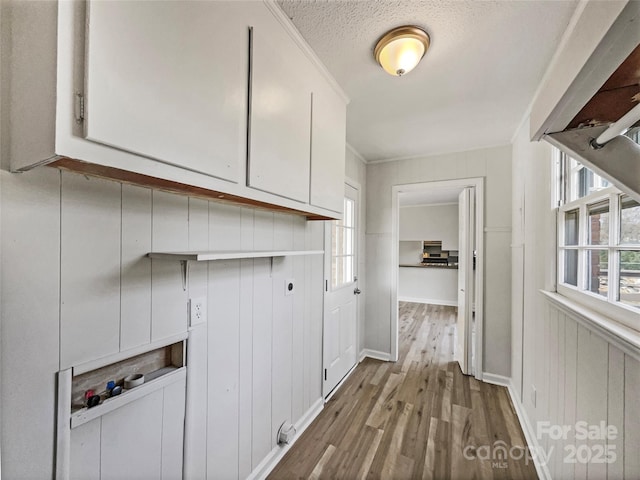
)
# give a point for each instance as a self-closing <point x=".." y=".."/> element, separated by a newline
<point x="341" y="293"/>
<point x="465" y="277"/>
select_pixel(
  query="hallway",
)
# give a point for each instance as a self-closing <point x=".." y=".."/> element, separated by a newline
<point x="414" y="418"/>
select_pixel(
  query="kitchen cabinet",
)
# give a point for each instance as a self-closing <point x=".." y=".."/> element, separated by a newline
<point x="165" y="80"/>
<point x="280" y="115"/>
<point x="159" y="94"/>
<point x="328" y="143"/>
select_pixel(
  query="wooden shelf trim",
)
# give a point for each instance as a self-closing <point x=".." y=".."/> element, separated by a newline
<point x="133" y="178"/>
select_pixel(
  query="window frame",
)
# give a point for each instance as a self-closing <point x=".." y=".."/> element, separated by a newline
<point x="609" y="306"/>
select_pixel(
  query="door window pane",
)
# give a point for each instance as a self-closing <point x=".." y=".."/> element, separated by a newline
<point x="629" y="221"/>
<point x="571" y="267"/>
<point x="598" y="271"/>
<point x="629" y="287"/>
<point x="599" y="223"/>
<point x="343" y="247"/>
<point x="571" y="227"/>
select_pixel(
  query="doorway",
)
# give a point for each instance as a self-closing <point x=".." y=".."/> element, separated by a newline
<point x="340" y="353"/>
<point x="465" y="198"/>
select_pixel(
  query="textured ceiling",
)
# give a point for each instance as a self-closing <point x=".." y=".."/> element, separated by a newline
<point x="471" y="89"/>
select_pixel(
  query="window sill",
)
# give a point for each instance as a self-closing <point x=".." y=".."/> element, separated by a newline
<point x="621" y="336"/>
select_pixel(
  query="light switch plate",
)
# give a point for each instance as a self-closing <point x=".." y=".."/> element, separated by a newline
<point x="197" y="310"/>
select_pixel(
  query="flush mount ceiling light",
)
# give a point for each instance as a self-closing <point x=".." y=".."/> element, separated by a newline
<point x="400" y="50"/>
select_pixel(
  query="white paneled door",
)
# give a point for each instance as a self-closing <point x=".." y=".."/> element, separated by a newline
<point x="341" y="294"/>
<point x="465" y="279"/>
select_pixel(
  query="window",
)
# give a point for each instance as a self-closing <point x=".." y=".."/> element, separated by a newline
<point x="598" y="243"/>
<point x="342" y="247"/>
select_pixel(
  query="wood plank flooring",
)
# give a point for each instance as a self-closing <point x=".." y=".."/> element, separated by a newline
<point x="418" y="418"/>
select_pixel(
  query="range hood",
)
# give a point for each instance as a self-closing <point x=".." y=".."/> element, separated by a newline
<point x="593" y="87"/>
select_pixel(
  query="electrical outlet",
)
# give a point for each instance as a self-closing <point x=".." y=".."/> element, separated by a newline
<point x="533" y="395"/>
<point x="197" y="310"/>
<point x="289" y="286"/>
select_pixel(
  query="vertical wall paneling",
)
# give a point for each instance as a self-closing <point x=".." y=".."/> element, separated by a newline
<point x="316" y="301"/>
<point x="245" y="388"/>
<point x="139" y="422"/>
<point x="282" y="340"/>
<point x="224" y="226"/>
<point x="298" y="320"/>
<point x="615" y="411"/>
<point x="195" y="451"/>
<point x="560" y="387"/>
<point x="553" y="381"/>
<point x="85" y="451"/>
<point x="170" y="233"/>
<point x="135" y="289"/>
<point x="195" y="431"/>
<point x="631" y="416"/>
<point x="593" y="360"/>
<point x="224" y="300"/>
<point x="90" y="269"/>
<point x="570" y="392"/>
<point x="173" y="410"/>
<point x="245" y="408"/>
<point x="262" y="372"/>
<point x="30" y="336"/>
<point x="263" y="230"/>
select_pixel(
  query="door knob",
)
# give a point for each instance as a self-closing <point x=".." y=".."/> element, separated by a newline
<point x="357" y="291"/>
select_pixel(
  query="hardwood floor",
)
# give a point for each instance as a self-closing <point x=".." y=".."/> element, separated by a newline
<point x="418" y="418"/>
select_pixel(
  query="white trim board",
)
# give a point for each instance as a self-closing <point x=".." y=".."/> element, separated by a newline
<point x="375" y="354"/>
<point x="265" y="467"/>
<point x="430" y="301"/>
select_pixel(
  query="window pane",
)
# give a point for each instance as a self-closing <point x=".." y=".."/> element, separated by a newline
<point x="598" y="268"/>
<point x="571" y="227"/>
<point x="348" y="212"/>
<point x="599" y="223"/>
<point x="581" y="181"/>
<point x="571" y="267"/>
<point x="629" y="221"/>
<point x="629" y="288"/>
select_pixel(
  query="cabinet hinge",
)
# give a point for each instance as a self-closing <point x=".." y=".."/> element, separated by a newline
<point x="79" y="107"/>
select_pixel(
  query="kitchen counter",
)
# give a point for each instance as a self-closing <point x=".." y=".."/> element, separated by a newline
<point x="422" y="265"/>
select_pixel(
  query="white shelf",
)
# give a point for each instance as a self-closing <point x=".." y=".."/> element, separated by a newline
<point x="165" y="377"/>
<point x="229" y="255"/>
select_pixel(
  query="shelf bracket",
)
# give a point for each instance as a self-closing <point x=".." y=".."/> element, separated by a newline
<point x="184" y="266"/>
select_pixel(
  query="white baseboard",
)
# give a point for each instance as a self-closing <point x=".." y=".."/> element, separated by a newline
<point x="494" y="379"/>
<point x="431" y="301"/>
<point x="265" y="467"/>
<point x="529" y="434"/>
<point x="528" y="430"/>
<point x="375" y="354"/>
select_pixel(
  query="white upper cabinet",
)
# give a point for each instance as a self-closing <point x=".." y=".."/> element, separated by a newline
<point x="169" y="95"/>
<point x="328" y="142"/>
<point x="280" y="113"/>
<point x="166" y="80"/>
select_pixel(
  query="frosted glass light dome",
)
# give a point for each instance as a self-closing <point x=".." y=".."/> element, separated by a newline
<point x="400" y="50"/>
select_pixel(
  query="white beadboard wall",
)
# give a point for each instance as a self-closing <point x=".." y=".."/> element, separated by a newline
<point x="577" y="373"/>
<point x="494" y="164"/>
<point x="255" y="363"/>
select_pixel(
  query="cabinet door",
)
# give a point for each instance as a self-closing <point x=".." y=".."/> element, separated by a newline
<point x="328" y="131"/>
<point x="167" y="80"/>
<point x="280" y="131"/>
